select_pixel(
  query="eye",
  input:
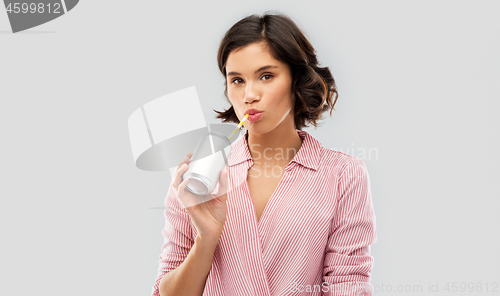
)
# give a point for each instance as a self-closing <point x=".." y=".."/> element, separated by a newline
<point x="267" y="75"/>
<point x="236" y="80"/>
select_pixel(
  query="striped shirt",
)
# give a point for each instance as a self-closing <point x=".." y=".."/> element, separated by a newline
<point x="313" y="237"/>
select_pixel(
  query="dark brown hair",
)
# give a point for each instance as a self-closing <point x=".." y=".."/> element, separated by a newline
<point x="313" y="87"/>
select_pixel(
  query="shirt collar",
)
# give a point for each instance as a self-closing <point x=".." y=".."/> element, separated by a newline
<point x="308" y="155"/>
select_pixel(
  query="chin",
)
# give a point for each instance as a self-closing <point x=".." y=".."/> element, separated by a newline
<point x="260" y="130"/>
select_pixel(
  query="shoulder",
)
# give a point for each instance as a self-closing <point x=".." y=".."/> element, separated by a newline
<point x="338" y="161"/>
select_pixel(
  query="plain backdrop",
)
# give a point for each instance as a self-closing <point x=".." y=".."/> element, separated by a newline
<point x="419" y="99"/>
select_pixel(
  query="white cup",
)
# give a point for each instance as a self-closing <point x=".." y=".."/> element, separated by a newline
<point x="207" y="162"/>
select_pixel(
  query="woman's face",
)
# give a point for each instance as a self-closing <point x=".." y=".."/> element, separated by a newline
<point x="256" y="80"/>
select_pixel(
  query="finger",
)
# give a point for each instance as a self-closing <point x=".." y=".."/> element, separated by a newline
<point x="185" y="159"/>
<point x="223" y="181"/>
<point x="177" y="178"/>
<point x="183" y="195"/>
<point x="183" y="183"/>
<point x="223" y="198"/>
<point x="178" y="175"/>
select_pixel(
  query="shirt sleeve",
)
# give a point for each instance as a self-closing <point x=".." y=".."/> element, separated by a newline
<point x="177" y="233"/>
<point x="347" y="265"/>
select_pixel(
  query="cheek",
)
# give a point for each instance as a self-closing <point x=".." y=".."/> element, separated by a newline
<point x="233" y="99"/>
<point x="230" y="94"/>
<point x="232" y="91"/>
<point x="283" y="94"/>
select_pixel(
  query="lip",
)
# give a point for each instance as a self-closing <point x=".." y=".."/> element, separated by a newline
<point x="252" y="111"/>
<point x="253" y="114"/>
<point x="255" y="117"/>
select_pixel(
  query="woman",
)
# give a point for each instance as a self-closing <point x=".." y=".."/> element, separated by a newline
<point x="297" y="218"/>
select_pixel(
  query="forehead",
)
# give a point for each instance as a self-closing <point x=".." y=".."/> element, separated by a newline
<point x="250" y="57"/>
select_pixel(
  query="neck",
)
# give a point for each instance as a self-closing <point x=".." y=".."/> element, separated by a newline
<point x="275" y="148"/>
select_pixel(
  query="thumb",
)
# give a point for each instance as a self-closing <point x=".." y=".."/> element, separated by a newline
<point x="223" y="185"/>
<point x="223" y="181"/>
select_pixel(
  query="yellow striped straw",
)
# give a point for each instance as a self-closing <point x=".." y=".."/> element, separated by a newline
<point x="238" y="128"/>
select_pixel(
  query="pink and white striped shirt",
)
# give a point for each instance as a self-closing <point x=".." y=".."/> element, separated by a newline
<point x="313" y="237"/>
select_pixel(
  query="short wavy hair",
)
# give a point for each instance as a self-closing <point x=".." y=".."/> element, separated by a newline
<point x="313" y="87"/>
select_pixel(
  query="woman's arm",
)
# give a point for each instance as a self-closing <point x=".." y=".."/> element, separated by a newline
<point x="184" y="263"/>
<point x="189" y="278"/>
<point x="348" y="263"/>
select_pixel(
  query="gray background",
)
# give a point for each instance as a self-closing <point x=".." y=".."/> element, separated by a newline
<point x="418" y="83"/>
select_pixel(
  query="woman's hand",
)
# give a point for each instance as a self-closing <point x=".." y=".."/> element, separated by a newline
<point x="208" y="212"/>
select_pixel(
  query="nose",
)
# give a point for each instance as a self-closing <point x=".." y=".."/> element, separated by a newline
<point x="251" y="93"/>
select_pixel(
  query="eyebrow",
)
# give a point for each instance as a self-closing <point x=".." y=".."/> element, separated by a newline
<point x="259" y="70"/>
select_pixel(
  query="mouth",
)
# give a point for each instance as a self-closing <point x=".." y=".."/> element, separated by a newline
<point x="252" y="111"/>
<point x="254" y="114"/>
<point x="254" y="117"/>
